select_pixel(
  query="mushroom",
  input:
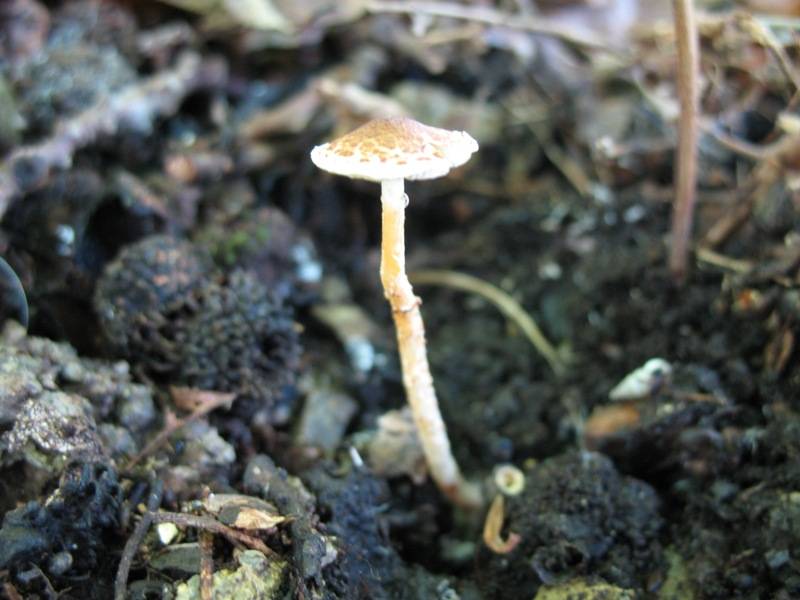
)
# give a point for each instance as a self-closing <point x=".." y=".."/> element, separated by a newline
<point x="389" y="151"/>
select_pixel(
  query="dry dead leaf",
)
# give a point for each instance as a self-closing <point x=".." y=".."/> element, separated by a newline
<point x="260" y="14"/>
<point x="288" y="19"/>
<point x="190" y="399"/>
<point x="608" y="420"/>
<point x="243" y="512"/>
<point x="395" y="449"/>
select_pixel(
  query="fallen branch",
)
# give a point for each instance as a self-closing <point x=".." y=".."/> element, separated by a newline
<point x="136" y="106"/>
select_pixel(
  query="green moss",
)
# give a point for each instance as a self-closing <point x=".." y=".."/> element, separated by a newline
<point x="257" y="578"/>
<point x="228" y="247"/>
<point x="678" y="584"/>
<point x="580" y="589"/>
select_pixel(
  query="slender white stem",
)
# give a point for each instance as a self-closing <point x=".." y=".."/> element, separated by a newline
<point x="393" y="190"/>
<point x="417" y="378"/>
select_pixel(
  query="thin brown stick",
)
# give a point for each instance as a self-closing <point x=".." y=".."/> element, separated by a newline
<point x="728" y="224"/>
<point x="686" y="159"/>
<point x="51" y="591"/>
<point x="214" y="526"/>
<point x="206" y="565"/>
<point x="121" y="580"/>
<point x="716" y="259"/>
<point x="489" y="16"/>
<point x="161" y="40"/>
<point x="738" y="146"/>
<point x="11" y="591"/>
<point x="211" y="401"/>
<point x="764" y="36"/>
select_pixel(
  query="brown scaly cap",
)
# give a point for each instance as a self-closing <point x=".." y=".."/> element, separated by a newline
<point x="397" y="148"/>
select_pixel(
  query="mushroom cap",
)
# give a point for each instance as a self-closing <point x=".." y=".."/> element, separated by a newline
<point x="395" y="148"/>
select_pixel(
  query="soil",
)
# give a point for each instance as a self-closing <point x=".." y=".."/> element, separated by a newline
<point x="208" y="381"/>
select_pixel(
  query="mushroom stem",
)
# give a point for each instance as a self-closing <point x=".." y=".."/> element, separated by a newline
<point x="417" y="378"/>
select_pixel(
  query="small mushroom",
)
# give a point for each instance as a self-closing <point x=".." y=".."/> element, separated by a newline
<point x="390" y="151"/>
<point x="509" y="480"/>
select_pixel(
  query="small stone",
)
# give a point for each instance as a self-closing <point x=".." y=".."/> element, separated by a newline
<point x="73" y="373"/>
<point x="18" y="384"/>
<point x="135" y="407"/>
<point x="166" y="532"/>
<point x="57" y="424"/>
<point x="777" y="558"/>
<point x="60" y="563"/>
<point x="205" y="448"/>
<point x="326" y="414"/>
<point x="181" y="559"/>
<point x="395" y="449"/>
<point x="118" y="441"/>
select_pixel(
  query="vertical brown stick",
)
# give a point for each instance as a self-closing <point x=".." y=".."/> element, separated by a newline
<point x="686" y="159"/>
<point x="206" y="565"/>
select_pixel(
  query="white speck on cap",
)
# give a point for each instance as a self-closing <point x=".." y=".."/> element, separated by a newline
<point x="396" y="148"/>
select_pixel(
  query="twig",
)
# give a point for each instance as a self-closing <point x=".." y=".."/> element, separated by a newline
<point x="764" y="36"/>
<point x="51" y="591"/>
<point x="775" y="152"/>
<point x="489" y="16"/>
<point x="210" y="401"/>
<point x="716" y="259"/>
<point x="206" y="565"/>
<point x="153" y="502"/>
<point x="736" y="145"/>
<point x="130" y="185"/>
<point x="152" y="515"/>
<point x="770" y="167"/>
<point x="11" y="591"/>
<point x="137" y="105"/>
<point x="505" y="303"/>
<point x="725" y="227"/>
<point x="778" y="21"/>
<point x="686" y="168"/>
<point x="164" y="38"/>
<point x="571" y="171"/>
<point x="214" y="526"/>
<point x="121" y="582"/>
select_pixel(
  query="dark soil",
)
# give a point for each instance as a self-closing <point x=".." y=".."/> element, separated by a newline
<point x="181" y="238"/>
